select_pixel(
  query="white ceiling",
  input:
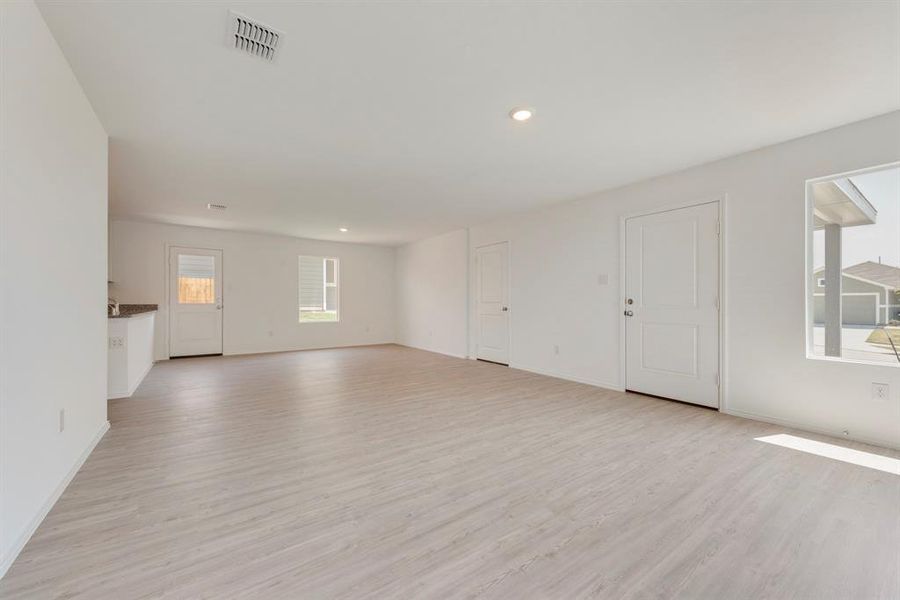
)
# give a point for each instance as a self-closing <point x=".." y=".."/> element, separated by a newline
<point x="390" y="118"/>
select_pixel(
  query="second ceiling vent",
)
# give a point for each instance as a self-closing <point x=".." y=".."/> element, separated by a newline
<point x="252" y="37"/>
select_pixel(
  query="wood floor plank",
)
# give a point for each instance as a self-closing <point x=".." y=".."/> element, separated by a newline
<point x="388" y="472"/>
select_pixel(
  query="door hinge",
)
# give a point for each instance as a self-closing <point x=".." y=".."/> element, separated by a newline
<point x="716" y="302"/>
<point x="718" y="227"/>
<point x="717" y="380"/>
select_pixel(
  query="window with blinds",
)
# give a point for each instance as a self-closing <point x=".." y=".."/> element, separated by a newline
<point x="196" y="279"/>
<point x="318" y="289"/>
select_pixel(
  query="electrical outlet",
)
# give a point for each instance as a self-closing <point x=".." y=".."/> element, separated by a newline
<point x="880" y="392"/>
<point x="116" y="343"/>
<point x="62" y="420"/>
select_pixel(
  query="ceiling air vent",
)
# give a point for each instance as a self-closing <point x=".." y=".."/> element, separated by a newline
<point x="253" y="38"/>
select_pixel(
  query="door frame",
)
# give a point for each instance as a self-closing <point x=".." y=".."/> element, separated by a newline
<point x="509" y="301"/>
<point x="722" y="201"/>
<point x="167" y="252"/>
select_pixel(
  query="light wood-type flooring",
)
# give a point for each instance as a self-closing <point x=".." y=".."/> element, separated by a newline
<point x="386" y="472"/>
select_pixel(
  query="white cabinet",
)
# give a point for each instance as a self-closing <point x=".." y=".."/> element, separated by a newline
<point x="130" y="353"/>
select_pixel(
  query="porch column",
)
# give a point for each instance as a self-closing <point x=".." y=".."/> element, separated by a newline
<point x="833" y="290"/>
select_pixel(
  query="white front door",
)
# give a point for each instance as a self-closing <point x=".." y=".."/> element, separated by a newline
<point x="195" y="301"/>
<point x="492" y="293"/>
<point x="671" y="304"/>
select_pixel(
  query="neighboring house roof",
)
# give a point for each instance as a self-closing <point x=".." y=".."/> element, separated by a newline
<point x="885" y="275"/>
<point x="873" y="272"/>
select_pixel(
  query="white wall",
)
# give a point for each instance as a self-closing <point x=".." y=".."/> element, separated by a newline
<point x="53" y="198"/>
<point x="260" y="277"/>
<point x="432" y="294"/>
<point x="558" y="255"/>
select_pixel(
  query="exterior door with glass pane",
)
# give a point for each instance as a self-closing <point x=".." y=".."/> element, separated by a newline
<point x="195" y="301"/>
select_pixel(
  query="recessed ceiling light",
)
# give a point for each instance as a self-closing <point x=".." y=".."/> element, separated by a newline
<point x="343" y="230"/>
<point x="521" y="114"/>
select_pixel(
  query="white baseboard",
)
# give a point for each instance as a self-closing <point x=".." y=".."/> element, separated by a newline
<point x="587" y="381"/>
<point x="19" y="544"/>
<point x="812" y="429"/>
<point x="254" y="351"/>
<point x="453" y="354"/>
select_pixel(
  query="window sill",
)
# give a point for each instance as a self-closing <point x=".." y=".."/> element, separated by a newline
<point x="853" y="361"/>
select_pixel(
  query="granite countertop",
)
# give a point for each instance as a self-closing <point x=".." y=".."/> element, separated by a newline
<point x="130" y="310"/>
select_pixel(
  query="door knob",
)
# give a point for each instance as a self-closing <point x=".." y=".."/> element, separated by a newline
<point x="629" y="301"/>
<point x="505" y="308"/>
<point x="629" y="313"/>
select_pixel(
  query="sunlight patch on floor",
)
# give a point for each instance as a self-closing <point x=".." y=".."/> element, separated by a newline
<point x="848" y="455"/>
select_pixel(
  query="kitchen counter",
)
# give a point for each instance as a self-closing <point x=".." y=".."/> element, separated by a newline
<point x="129" y="310"/>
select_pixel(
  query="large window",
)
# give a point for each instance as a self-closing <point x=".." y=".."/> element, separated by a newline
<point x="853" y="266"/>
<point x="319" y="295"/>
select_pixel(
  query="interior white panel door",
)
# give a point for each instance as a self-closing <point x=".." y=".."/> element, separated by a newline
<point x="493" y="302"/>
<point x="671" y="307"/>
<point x="195" y="302"/>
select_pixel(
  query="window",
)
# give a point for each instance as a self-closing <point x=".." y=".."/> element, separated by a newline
<point x="319" y="289"/>
<point x="853" y="266"/>
<point x="196" y="279"/>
